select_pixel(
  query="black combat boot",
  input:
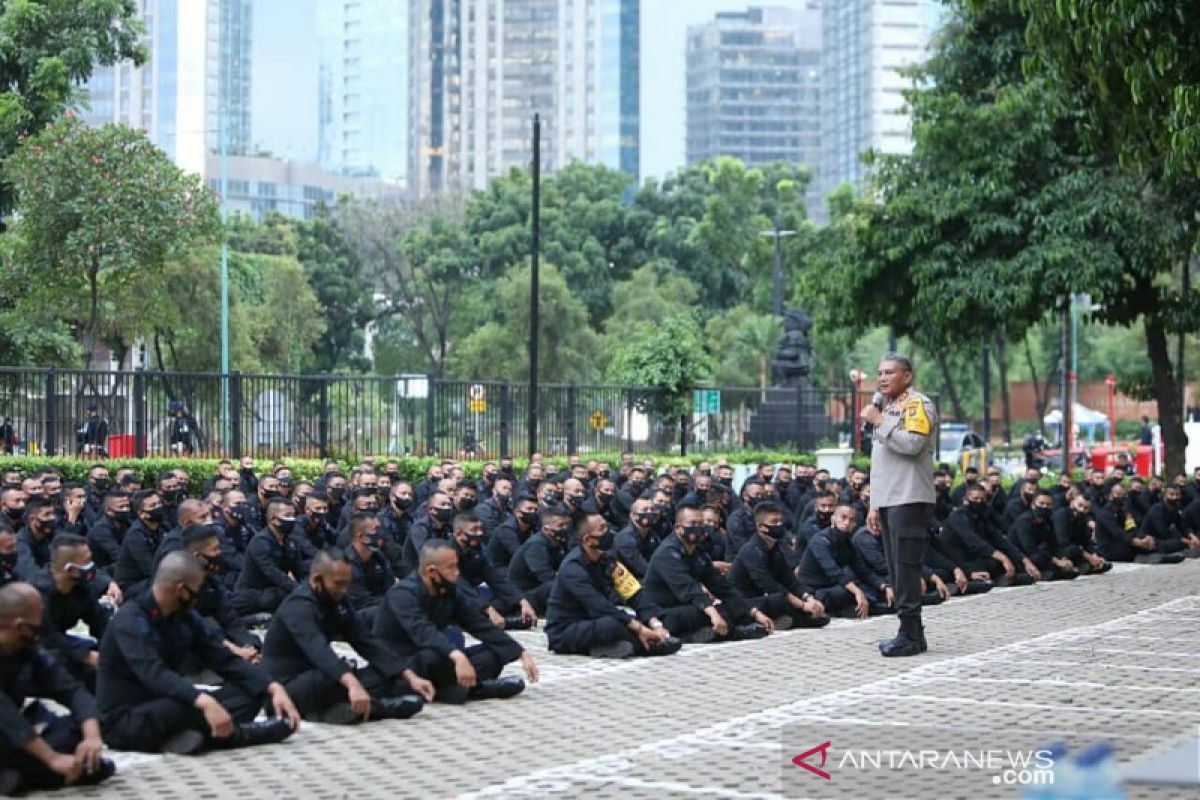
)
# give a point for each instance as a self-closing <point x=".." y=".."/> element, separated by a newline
<point x="908" y="642"/>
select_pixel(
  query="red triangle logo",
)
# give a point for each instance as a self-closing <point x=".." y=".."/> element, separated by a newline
<point x="800" y="761"/>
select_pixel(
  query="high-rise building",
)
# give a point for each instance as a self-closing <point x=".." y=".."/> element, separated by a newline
<point x="480" y="69"/>
<point x="867" y="43"/>
<point x="363" y="101"/>
<point x="753" y="86"/>
<point x="199" y="58"/>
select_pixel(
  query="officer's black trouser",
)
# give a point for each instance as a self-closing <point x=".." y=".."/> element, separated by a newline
<point x="63" y="736"/>
<point x="578" y="638"/>
<point x="313" y="692"/>
<point x="146" y="726"/>
<point x="257" y="601"/>
<point x="776" y="605"/>
<point x="488" y="662"/>
<point x="834" y="598"/>
<point x="905" y="532"/>
<point x="539" y="597"/>
<point x="680" y="620"/>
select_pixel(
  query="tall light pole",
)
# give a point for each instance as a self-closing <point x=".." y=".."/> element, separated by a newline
<point x="535" y="246"/>
<point x="777" y="275"/>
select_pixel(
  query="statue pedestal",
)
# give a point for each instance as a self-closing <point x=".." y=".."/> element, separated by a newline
<point x="793" y="416"/>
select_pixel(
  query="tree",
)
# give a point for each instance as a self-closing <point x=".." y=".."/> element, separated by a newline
<point x="568" y="349"/>
<point x="743" y="342"/>
<point x="335" y="273"/>
<point x="669" y="358"/>
<point x="650" y="293"/>
<point x="49" y="48"/>
<point x="102" y="212"/>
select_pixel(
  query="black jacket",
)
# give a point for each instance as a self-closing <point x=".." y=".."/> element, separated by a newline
<point x="831" y="560"/>
<point x="35" y="673"/>
<point x="506" y="540"/>
<point x="64" y="611"/>
<point x="758" y="570"/>
<point x="535" y="564"/>
<point x="105" y="537"/>
<point x="634" y="549"/>
<point x="585" y="591"/>
<point x="268" y="563"/>
<point x="135" y="564"/>
<point x="372" y="578"/>
<point x="412" y="619"/>
<point x="301" y="635"/>
<point x="674" y="578"/>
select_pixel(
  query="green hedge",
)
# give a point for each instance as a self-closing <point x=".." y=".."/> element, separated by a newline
<point x="411" y="468"/>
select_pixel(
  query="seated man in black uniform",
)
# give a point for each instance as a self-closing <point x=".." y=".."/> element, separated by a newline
<point x="107" y="531"/>
<point x="1168" y="526"/>
<point x="971" y="534"/>
<point x="66" y="752"/>
<point x="135" y="563"/>
<point x="326" y="688"/>
<point x="70" y="596"/>
<point x="147" y="705"/>
<point x="869" y="545"/>
<point x="414" y="621"/>
<point x="512" y="531"/>
<point x="584" y="616"/>
<point x="216" y="598"/>
<point x="1033" y="532"/>
<point x="273" y="564"/>
<point x="766" y="574"/>
<point x="502" y="601"/>
<point x="682" y="581"/>
<point x="536" y="562"/>
<point x="1075" y="529"/>
<point x="370" y="570"/>
<point x="941" y="561"/>
<point x="1120" y="538"/>
<point x="837" y="576"/>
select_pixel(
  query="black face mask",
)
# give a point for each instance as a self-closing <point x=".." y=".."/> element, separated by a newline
<point x="8" y="562"/>
<point x="216" y="564"/>
<point x="646" y="520"/>
<point x="941" y="488"/>
<point x="444" y="515"/>
<point x="473" y="541"/>
<point x="502" y="500"/>
<point x="158" y="516"/>
<point x="239" y="513"/>
<point x="606" y="541"/>
<point x="527" y="517"/>
<point x="85" y="573"/>
<point x="604" y="498"/>
<point x="375" y="543"/>
<point x="725" y="481"/>
<point x="1042" y="514"/>
<point x="336" y="493"/>
<point x="1028" y="499"/>
<point x="402" y="503"/>
<point x="441" y="586"/>
<point x="573" y="500"/>
<point x="977" y="507"/>
<point x="285" y="525"/>
<point x="824" y="518"/>
<point x="775" y="532"/>
<point x="637" y="487"/>
<point x="466" y="503"/>
<point x="693" y="534"/>
<point x="124" y="515"/>
<point x="271" y="494"/>
<point x="101" y="484"/>
<point x="14" y="514"/>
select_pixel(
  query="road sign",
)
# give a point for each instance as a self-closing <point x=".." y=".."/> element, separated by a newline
<point x="706" y="401"/>
<point x="477" y="392"/>
<point x="598" y="421"/>
<point x="477" y="406"/>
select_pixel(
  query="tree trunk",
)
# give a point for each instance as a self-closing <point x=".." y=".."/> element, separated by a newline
<point x="1040" y="393"/>
<point x="1001" y="346"/>
<point x="762" y="377"/>
<point x="951" y="389"/>
<point x="1167" y="395"/>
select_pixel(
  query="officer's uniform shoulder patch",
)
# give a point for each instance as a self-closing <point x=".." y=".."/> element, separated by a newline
<point x="915" y="418"/>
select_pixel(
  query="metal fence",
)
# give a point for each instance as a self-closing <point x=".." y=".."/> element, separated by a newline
<point x="334" y="415"/>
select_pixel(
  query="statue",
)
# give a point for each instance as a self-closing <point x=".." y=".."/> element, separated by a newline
<point x="793" y="359"/>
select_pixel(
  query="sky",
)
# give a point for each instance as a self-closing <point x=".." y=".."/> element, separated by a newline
<point x="285" y="76"/>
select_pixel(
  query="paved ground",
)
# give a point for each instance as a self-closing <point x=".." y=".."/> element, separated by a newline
<point x="1115" y="657"/>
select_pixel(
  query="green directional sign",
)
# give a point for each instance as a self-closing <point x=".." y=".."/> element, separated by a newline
<point x="706" y="401"/>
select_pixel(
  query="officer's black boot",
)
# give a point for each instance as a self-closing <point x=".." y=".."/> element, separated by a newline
<point x="401" y="707"/>
<point x="905" y="643"/>
<point x="262" y="731"/>
<point x="497" y="689"/>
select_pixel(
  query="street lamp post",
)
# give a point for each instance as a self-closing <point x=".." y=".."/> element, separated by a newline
<point x="777" y="276"/>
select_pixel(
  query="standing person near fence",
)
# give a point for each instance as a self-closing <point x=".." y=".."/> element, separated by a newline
<point x="902" y="494"/>
<point x="92" y="436"/>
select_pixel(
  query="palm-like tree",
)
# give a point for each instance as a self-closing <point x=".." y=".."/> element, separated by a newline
<point x="757" y="336"/>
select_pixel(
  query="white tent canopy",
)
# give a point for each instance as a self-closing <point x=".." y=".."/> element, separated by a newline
<point x="1083" y="418"/>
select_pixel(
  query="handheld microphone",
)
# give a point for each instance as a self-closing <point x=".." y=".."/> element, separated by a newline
<point x="877" y="401"/>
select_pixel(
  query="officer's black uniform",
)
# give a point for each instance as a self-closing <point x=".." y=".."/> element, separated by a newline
<point x="35" y="673"/>
<point x="297" y="652"/>
<point x="582" y="611"/>
<point x="1034" y="534"/>
<point x="216" y="605"/>
<point x="312" y="535"/>
<point x="1168" y="527"/>
<point x="413" y="623"/>
<point x="633" y="547"/>
<point x="135" y="562"/>
<point x="104" y="537"/>
<point x="62" y="613"/>
<point x="829" y="563"/>
<point x="740" y="527"/>
<point x="870" y="550"/>
<point x="974" y="537"/>
<point x="144" y="700"/>
<point x="492" y="513"/>
<point x="766" y="575"/>
<point x="370" y="582"/>
<point x="33" y="553"/>
<point x="422" y="531"/>
<point x="533" y="568"/>
<point x="265" y="580"/>
<point x="506" y="539"/>
<point x="394" y="525"/>
<point x="476" y="568"/>
<point x="1075" y="539"/>
<point x="675" y="582"/>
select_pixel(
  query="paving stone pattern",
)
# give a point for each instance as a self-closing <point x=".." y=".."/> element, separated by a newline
<point x="1113" y="657"/>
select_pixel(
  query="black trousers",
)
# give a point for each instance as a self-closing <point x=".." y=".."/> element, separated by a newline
<point x="257" y="601"/>
<point x="905" y="531"/>
<point x="578" y="638"/>
<point x="681" y="620"/>
<point x="539" y="597"/>
<point x="313" y="691"/>
<point x="63" y="736"/>
<point x="777" y="605"/>
<point x="145" y="726"/>
<point x="433" y="666"/>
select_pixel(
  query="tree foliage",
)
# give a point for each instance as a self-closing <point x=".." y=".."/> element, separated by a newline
<point x="668" y="357"/>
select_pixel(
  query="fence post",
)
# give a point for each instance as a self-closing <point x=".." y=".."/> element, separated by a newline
<point x="430" y="418"/>
<point x="139" y="413"/>
<point x="629" y="420"/>
<point x="572" y="413"/>
<point x="235" y="415"/>
<point x="505" y="418"/>
<point x="683" y="427"/>
<point x="51" y="410"/>
<point x="323" y="419"/>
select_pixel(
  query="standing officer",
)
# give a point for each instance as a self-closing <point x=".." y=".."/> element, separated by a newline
<point x="902" y="495"/>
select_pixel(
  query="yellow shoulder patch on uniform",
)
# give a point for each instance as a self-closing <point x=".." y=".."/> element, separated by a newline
<point x="915" y="418"/>
<point x="624" y="582"/>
